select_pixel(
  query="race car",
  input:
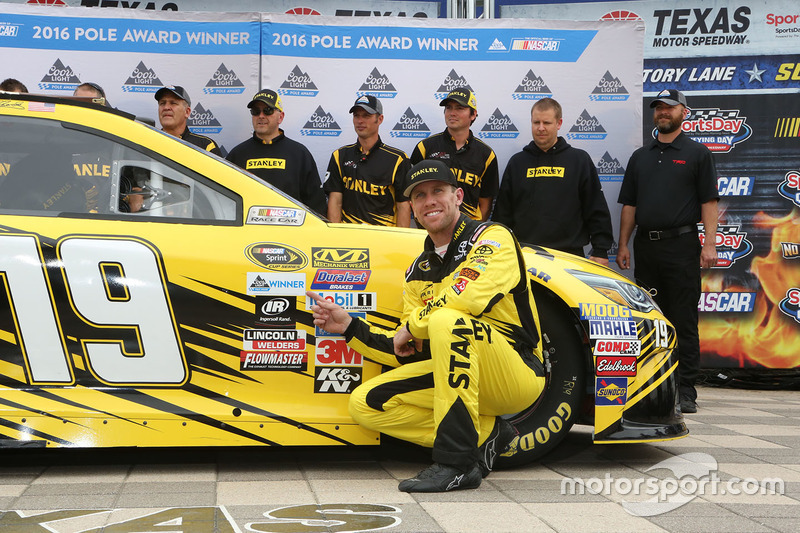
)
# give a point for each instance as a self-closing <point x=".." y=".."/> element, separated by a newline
<point x="152" y="294"/>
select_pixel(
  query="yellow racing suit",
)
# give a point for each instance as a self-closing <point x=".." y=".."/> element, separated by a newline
<point x="482" y="353"/>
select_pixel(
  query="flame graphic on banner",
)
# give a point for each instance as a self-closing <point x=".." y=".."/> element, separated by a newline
<point x="769" y="337"/>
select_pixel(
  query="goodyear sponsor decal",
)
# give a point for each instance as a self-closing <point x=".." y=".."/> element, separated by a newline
<point x="274" y="340"/>
<point x="298" y="83"/>
<point x="618" y="347"/>
<point x="587" y="127"/>
<point x="727" y="302"/>
<point x="275" y="216"/>
<point x="499" y="126"/>
<point x="275" y="311"/>
<point x="735" y="185"/>
<point x="336" y="380"/>
<point x="336" y="352"/>
<point x="615" y="365"/>
<point x="605" y="311"/>
<point x="59" y="77"/>
<point x="790" y="250"/>
<point x="142" y="80"/>
<point x="202" y="121"/>
<point x="545" y="172"/>
<point x="613" y="329"/>
<point x="731" y="242"/>
<point x="273" y="360"/>
<point x="611" y="391"/>
<point x="276" y="257"/>
<point x="789" y="188"/>
<point x="609" y="89"/>
<point x="224" y="81"/>
<point x="340" y="279"/>
<point x="378" y="85"/>
<point x="532" y="87"/>
<point x="790" y="305"/>
<point x="411" y="125"/>
<point x="319" y="332"/>
<point x="609" y="168"/>
<point x="349" y="301"/>
<point x="321" y="124"/>
<point x="273" y="283"/>
<point x="720" y="130"/>
<point x="340" y="258"/>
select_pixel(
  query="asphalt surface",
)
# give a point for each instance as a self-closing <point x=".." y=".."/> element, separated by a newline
<point x="738" y="470"/>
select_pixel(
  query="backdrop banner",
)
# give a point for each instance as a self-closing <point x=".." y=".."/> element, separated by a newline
<point x="734" y="62"/>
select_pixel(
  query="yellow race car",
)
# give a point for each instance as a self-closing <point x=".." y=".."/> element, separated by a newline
<point x="152" y="294"/>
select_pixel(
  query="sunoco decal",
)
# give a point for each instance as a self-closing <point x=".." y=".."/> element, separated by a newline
<point x="791" y="304"/>
<point x="298" y="83"/>
<point x="275" y="216"/>
<point x="790" y="187"/>
<point x="732" y="244"/>
<point x="499" y="126"/>
<point x="587" y="127"/>
<point x="611" y="391"/>
<point x="719" y="129"/>
<point x="727" y="302"/>
<point x="410" y="125"/>
<point x="276" y="257"/>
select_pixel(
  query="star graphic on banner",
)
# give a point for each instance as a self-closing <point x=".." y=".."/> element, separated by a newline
<point x="756" y="73"/>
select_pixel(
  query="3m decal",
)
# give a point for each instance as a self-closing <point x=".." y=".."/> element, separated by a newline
<point x="125" y="301"/>
<point x="276" y="257"/>
<point x="336" y="352"/>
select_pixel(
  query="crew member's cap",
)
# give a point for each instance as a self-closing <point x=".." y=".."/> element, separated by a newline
<point x="269" y="97"/>
<point x="669" y="97"/>
<point x="461" y="96"/>
<point x="429" y="170"/>
<point x="177" y="90"/>
<point x="368" y="103"/>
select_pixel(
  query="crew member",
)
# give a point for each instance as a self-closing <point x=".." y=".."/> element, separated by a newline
<point x="174" y="108"/>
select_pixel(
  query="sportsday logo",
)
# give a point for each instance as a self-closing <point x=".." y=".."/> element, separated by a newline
<point x="789" y="188"/>
<point x="224" y="81"/>
<point x="410" y="125"/>
<point x="587" y="127"/>
<point x="298" y="83"/>
<point x="59" y="78"/>
<point x="790" y="305"/>
<point x="532" y="87"/>
<point x="378" y="85"/>
<point x="498" y="126"/>
<point x="321" y="124"/>
<point x="609" y="89"/>
<point x="732" y="244"/>
<point x="719" y="129"/>
<point x="142" y="80"/>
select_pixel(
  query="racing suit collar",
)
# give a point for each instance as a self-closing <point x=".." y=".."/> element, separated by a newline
<point x="279" y="137"/>
<point x="460" y="233"/>
<point x="372" y="148"/>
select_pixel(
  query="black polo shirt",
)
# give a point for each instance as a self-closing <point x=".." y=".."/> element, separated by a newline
<point x="475" y="167"/>
<point x="667" y="183"/>
<point x="201" y="141"/>
<point x="370" y="183"/>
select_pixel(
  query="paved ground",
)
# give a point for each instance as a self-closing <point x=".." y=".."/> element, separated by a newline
<point x="741" y="442"/>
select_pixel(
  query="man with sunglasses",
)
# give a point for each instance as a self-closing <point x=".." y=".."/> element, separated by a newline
<point x="174" y="108"/>
<point x="284" y="163"/>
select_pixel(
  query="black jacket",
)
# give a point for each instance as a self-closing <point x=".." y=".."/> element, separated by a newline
<point x="555" y="199"/>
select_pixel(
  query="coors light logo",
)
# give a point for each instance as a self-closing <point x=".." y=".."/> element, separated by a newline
<point x="410" y="125"/>
<point x="610" y="169"/>
<point x="224" y="81"/>
<point x="378" y="85"/>
<point x="452" y="82"/>
<point x="298" y="83"/>
<point x="499" y="126"/>
<point x="609" y="89"/>
<point x="532" y="87"/>
<point x="142" y="80"/>
<point x="59" y="78"/>
<point x="203" y="121"/>
<point x="321" y="124"/>
<point x="587" y="127"/>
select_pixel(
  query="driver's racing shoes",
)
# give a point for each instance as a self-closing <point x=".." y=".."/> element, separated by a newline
<point x="443" y="478"/>
<point x="500" y="437"/>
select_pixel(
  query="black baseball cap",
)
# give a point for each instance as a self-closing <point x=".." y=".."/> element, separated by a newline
<point x="464" y="97"/>
<point x="669" y="97"/>
<point x="177" y="90"/>
<point x="368" y="103"/>
<point x="269" y="97"/>
<point x="428" y="170"/>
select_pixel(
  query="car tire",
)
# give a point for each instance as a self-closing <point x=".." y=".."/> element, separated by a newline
<point x="547" y="421"/>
